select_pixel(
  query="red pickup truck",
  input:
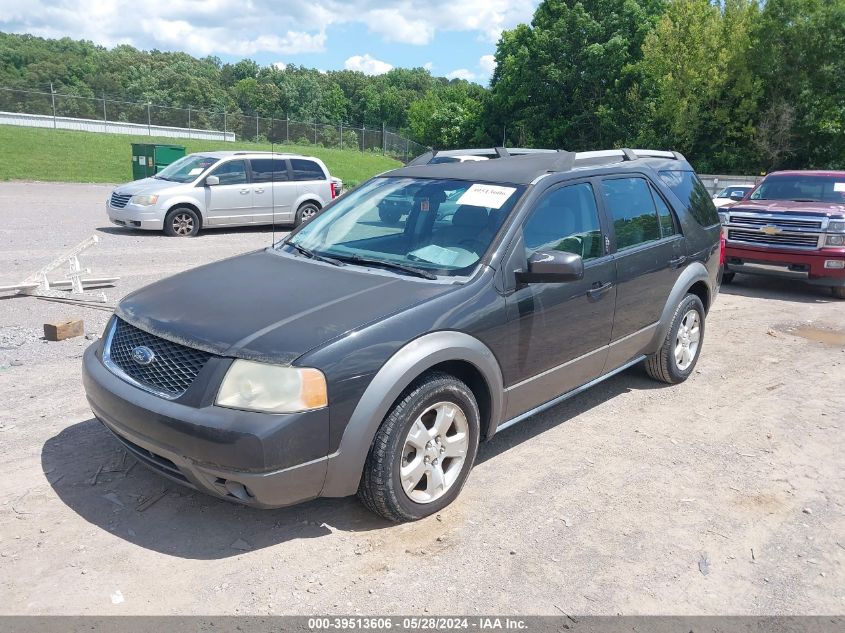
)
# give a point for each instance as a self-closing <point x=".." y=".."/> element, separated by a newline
<point x="791" y="225"/>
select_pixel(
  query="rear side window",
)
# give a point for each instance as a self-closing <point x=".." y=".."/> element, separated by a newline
<point x="664" y="215"/>
<point x="632" y="209"/>
<point x="690" y="191"/>
<point x="306" y="170"/>
<point x="269" y="169"/>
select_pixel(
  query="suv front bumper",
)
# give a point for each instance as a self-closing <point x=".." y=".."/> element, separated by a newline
<point x="807" y="266"/>
<point x="192" y="446"/>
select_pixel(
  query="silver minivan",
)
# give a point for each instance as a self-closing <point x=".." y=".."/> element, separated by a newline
<point x="217" y="189"/>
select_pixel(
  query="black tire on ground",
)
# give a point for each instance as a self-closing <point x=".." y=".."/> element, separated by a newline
<point x="663" y="365"/>
<point x="305" y="212"/>
<point x="390" y="216"/>
<point x="838" y="292"/>
<point x="381" y="489"/>
<point x="728" y="278"/>
<point x="182" y="222"/>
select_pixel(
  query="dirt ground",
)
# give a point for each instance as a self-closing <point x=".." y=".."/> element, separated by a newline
<point x="723" y="495"/>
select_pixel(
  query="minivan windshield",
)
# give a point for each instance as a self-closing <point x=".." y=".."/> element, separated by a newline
<point x="187" y="168"/>
<point x="416" y="226"/>
<point x="801" y="188"/>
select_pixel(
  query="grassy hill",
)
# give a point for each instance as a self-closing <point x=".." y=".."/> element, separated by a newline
<point x="69" y="156"/>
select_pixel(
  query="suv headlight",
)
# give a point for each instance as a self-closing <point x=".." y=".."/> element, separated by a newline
<point x="835" y="240"/>
<point x="144" y="201"/>
<point x="836" y="225"/>
<point x="272" y="388"/>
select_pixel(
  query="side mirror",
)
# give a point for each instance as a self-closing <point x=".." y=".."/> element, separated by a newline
<point x="736" y="197"/>
<point x="212" y="181"/>
<point x="552" y="267"/>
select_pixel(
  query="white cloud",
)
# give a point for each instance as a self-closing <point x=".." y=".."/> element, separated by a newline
<point x="487" y="64"/>
<point x="231" y="27"/>
<point x="461" y="73"/>
<point x="279" y="65"/>
<point x="367" y="65"/>
<point x="429" y="66"/>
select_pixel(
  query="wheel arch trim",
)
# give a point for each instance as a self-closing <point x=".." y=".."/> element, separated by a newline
<point x="694" y="273"/>
<point x="411" y="361"/>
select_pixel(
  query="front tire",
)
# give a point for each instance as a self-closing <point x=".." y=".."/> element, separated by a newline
<point x="679" y="353"/>
<point x="182" y="222"/>
<point x="423" y="451"/>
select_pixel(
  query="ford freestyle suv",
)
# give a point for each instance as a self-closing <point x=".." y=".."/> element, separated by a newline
<point x="216" y="189"/>
<point x="792" y="225"/>
<point x="371" y="357"/>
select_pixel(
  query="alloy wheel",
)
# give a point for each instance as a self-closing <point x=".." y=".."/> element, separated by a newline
<point x="687" y="339"/>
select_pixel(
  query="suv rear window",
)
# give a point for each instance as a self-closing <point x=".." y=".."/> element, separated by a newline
<point x="690" y="191"/>
<point x="306" y="170"/>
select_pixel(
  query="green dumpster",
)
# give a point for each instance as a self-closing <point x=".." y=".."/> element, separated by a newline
<point x="148" y="158"/>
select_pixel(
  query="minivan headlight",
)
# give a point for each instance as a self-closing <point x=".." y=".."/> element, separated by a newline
<point x="258" y="386"/>
<point x="144" y="201"/>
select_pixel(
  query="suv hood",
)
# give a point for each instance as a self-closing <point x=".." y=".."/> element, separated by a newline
<point x="148" y="185"/>
<point x="269" y="307"/>
<point x="787" y="206"/>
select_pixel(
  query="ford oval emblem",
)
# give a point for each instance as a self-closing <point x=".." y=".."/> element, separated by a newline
<point x="143" y="355"/>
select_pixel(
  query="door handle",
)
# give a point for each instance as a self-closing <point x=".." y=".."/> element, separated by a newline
<point x="599" y="289"/>
<point x="244" y="191"/>
<point x="259" y="191"/>
<point x="677" y="262"/>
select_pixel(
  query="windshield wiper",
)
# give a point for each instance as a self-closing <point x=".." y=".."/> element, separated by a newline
<point x="311" y="254"/>
<point x="411" y="270"/>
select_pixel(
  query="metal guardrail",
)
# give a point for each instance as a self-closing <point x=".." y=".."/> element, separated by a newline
<point x="33" y="108"/>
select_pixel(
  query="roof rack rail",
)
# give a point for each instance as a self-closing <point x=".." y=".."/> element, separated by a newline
<point x="629" y="154"/>
<point x="501" y="152"/>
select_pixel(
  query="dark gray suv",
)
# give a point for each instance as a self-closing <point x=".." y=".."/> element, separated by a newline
<point x="371" y="357"/>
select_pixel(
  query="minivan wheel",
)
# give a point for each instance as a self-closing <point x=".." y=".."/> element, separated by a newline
<point x="423" y="451"/>
<point x="838" y="291"/>
<point x="676" y="359"/>
<point x="182" y="222"/>
<point x="306" y="211"/>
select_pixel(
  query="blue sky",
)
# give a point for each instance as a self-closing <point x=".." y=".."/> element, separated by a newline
<point x="453" y="38"/>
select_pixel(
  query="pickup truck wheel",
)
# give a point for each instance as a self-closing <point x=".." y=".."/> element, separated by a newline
<point x="676" y="359"/>
<point x="838" y="292"/>
<point x="423" y="452"/>
<point x="182" y="222"/>
<point x="306" y="211"/>
<point x="727" y="278"/>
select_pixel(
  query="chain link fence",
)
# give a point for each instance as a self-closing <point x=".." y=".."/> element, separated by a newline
<point x="33" y="108"/>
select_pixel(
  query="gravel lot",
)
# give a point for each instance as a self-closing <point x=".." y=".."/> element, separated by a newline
<point x="723" y="495"/>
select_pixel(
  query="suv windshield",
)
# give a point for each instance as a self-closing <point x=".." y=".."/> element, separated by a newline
<point x="802" y="189"/>
<point x="186" y="169"/>
<point x="440" y="227"/>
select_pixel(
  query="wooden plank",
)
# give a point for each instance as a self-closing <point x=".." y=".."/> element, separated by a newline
<point x="63" y="329"/>
<point x="17" y="287"/>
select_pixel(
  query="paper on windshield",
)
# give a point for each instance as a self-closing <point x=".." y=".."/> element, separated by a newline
<point x="195" y="171"/>
<point x="490" y="196"/>
<point x="839" y="186"/>
<point x="436" y="255"/>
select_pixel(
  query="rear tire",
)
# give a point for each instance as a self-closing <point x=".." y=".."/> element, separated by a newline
<point x="305" y="212"/>
<point x="838" y="292"/>
<point x="182" y="222"/>
<point x="728" y="278"/>
<point x="423" y="451"/>
<point x="679" y="353"/>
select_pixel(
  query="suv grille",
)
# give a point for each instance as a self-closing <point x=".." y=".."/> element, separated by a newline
<point x="173" y="367"/>
<point x="119" y="200"/>
<point x="757" y="237"/>
<point x="787" y="223"/>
